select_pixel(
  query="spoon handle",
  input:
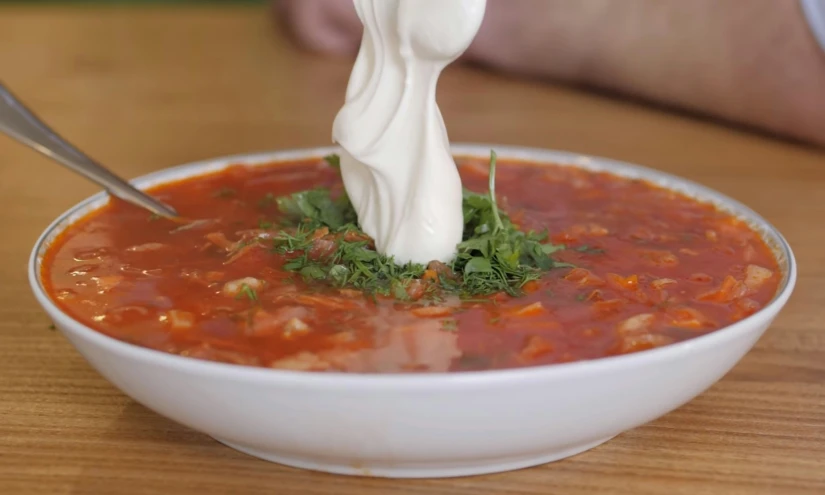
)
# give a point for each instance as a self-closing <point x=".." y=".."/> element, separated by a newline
<point x="21" y="124"/>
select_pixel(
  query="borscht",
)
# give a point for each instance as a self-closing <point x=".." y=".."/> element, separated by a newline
<point x="560" y="264"/>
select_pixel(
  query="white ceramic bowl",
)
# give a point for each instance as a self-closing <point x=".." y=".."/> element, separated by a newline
<point x="427" y="425"/>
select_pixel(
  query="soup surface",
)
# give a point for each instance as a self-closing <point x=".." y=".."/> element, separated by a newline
<point x="647" y="267"/>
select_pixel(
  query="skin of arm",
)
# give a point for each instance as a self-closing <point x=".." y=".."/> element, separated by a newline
<point x="757" y="65"/>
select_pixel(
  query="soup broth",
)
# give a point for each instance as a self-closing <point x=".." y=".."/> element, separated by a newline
<point x="642" y="267"/>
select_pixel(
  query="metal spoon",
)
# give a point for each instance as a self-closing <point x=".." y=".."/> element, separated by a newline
<point x="21" y="124"/>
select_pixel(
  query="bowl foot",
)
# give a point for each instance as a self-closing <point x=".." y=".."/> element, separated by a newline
<point x="414" y="469"/>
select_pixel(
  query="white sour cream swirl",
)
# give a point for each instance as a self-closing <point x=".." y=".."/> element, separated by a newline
<point x="395" y="161"/>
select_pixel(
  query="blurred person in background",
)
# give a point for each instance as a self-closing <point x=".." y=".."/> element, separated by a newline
<point x="758" y="62"/>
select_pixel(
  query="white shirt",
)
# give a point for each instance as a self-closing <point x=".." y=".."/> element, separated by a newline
<point x="815" y="13"/>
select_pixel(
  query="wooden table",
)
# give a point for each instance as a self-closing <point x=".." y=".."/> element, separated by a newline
<point x="148" y="87"/>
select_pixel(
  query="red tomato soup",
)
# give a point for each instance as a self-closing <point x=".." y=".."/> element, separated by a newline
<point x="650" y="267"/>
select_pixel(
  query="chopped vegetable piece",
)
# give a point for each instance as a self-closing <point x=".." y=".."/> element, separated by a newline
<point x="274" y="322"/>
<point x="636" y="324"/>
<point x="533" y="309"/>
<point x="584" y="277"/>
<point x="180" y="320"/>
<point x="687" y="317"/>
<point x="536" y="346"/>
<point x="295" y="327"/>
<point x="730" y="290"/>
<point x="756" y="276"/>
<point x="661" y="283"/>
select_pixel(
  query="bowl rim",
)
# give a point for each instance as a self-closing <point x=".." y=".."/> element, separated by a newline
<point x="435" y="380"/>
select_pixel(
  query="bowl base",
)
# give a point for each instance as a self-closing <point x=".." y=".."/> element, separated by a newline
<point x="415" y="469"/>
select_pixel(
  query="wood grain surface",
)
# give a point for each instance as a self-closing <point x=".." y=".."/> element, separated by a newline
<point x="143" y="88"/>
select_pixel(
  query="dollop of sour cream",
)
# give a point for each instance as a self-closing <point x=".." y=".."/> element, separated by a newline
<point x="396" y="162"/>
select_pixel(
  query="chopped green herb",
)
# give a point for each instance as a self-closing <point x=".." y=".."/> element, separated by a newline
<point x="473" y="361"/>
<point x="581" y="297"/>
<point x="267" y="201"/>
<point x="224" y="192"/>
<point x="589" y="250"/>
<point x="339" y="274"/>
<point x="154" y="216"/>
<point x="398" y="290"/>
<point x="52" y="327"/>
<point x="351" y="264"/>
<point x="333" y="160"/>
<point x="313" y="272"/>
<point x="248" y="292"/>
<point x="317" y="206"/>
<point x="449" y="325"/>
<point x="494" y="256"/>
<point x="264" y="224"/>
